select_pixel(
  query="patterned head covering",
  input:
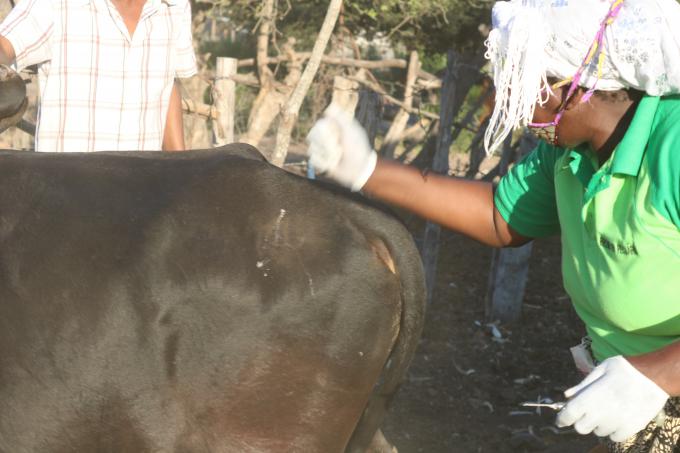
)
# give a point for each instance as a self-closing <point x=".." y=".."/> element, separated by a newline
<point x="534" y="39"/>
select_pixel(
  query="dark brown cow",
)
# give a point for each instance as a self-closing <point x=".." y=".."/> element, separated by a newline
<point x="196" y="302"/>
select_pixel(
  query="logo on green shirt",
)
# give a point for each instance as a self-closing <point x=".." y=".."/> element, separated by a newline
<point x="619" y="247"/>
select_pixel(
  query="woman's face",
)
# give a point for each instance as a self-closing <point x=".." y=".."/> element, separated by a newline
<point x="568" y="131"/>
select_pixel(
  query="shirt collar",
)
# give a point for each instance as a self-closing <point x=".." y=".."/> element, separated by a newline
<point x="630" y="151"/>
<point x="153" y="3"/>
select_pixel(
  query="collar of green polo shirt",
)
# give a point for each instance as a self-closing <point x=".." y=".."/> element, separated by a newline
<point x="619" y="221"/>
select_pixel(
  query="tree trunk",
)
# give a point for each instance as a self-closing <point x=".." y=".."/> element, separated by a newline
<point x="271" y="100"/>
<point x="292" y="108"/>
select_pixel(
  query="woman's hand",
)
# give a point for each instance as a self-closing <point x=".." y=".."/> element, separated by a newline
<point x="614" y="400"/>
<point x="339" y="147"/>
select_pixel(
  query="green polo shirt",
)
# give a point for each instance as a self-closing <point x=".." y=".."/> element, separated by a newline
<point x="619" y="224"/>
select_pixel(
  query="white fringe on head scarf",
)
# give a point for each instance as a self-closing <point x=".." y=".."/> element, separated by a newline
<point x="516" y="47"/>
<point x="533" y="39"/>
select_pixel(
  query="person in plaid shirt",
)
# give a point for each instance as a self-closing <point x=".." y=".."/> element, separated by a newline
<point x="107" y="70"/>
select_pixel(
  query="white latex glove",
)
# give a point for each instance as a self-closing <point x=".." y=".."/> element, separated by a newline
<point x="339" y="147"/>
<point x="614" y="400"/>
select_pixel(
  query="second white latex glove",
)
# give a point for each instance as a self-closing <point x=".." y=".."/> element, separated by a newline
<point x="339" y="147"/>
<point x="614" y="400"/>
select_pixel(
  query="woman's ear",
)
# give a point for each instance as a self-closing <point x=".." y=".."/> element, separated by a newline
<point x="575" y="98"/>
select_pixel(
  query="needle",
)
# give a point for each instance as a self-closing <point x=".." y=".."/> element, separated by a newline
<point x="553" y="406"/>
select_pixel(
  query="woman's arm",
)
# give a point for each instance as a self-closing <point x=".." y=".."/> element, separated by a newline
<point x="622" y="395"/>
<point x="662" y="367"/>
<point x="173" y="138"/>
<point x="339" y="147"/>
<point x="458" y="204"/>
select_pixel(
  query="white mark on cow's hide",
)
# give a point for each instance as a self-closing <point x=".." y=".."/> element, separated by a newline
<point x="268" y="242"/>
<point x="277" y="227"/>
<point x="311" y="284"/>
<point x="261" y="265"/>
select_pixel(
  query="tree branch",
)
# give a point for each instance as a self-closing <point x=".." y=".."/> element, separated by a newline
<point x="351" y="62"/>
<point x="290" y="111"/>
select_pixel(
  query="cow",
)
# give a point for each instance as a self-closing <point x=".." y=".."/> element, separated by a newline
<point x="204" y="301"/>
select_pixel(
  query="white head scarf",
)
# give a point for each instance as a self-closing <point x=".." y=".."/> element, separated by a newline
<point x="534" y="39"/>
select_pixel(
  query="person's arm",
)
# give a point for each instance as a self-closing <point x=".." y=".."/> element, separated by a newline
<point x="338" y="146"/>
<point x="7" y="55"/>
<point x="185" y="66"/>
<point x="430" y="196"/>
<point x="662" y="367"/>
<point x="622" y="395"/>
<point x="173" y="137"/>
<point x="26" y="33"/>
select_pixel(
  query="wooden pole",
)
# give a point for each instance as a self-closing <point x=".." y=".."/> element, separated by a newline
<point x="459" y="77"/>
<point x="427" y="80"/>
<point x="225" y="100"/>
<point x="369" y="112"/>
<point x="509" y="267"/>
<point x="197" y="134"/>
<point x="290" y="111"/>
<point x="394" y="134"/>
<point x="440" y="164"/>
<point x="345" y="94"/>
<point x="477" y="150"/>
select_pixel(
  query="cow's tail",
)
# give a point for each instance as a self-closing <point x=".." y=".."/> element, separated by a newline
<point x="409" y="269"/>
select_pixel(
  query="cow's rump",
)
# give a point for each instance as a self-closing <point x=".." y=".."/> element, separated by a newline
<point x="195" y="302"/>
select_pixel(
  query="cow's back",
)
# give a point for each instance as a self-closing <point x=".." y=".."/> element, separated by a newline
<point x="196" y="302"/>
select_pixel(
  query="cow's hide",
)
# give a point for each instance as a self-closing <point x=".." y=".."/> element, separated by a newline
<point x="196" y="302"/>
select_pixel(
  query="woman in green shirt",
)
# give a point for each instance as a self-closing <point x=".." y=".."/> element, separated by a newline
<point x="597" y="81"/>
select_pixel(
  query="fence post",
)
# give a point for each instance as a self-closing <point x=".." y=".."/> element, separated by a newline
<point x="345" y="94"/>
<point x="225" y="100"/>
<point x="460" y="75"/>
<point x="509" y="266"/>
<point x="369" y="112"/>
<point x="440" y="164"/>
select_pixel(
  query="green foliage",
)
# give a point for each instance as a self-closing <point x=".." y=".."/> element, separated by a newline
<point x="429" y="26"/>
<point x="240" y="49"/>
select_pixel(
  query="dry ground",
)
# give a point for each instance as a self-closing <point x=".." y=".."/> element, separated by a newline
<point x="464" y="389"/>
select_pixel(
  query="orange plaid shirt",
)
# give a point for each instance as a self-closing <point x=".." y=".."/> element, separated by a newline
<point x="102" y="89"/>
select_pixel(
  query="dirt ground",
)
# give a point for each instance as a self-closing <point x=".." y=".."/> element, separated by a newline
<point x="465" y="386"/>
